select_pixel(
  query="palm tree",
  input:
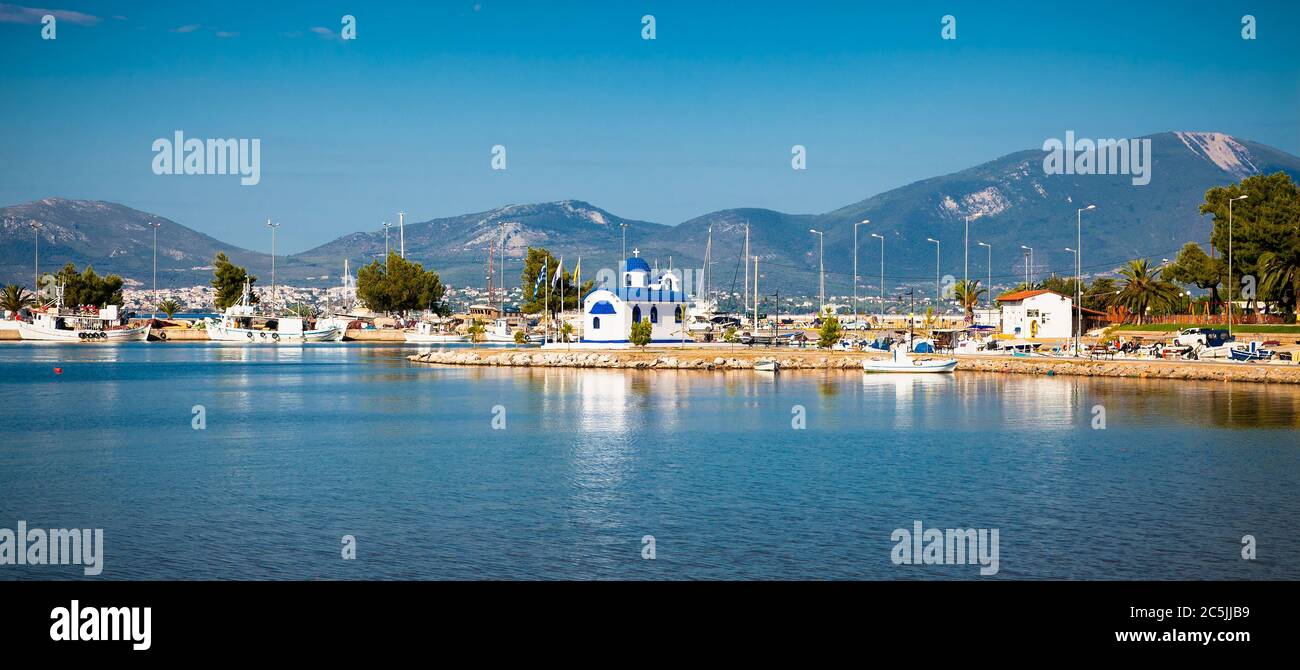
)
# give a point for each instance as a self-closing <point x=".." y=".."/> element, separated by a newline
<point x="968" y="294"/>
<point x="1279" y="272"/>
<point x="475" y="331"/>
<point x="1144" y="291"/>
<point x="169" y="307"/>
<point x="15" y="298"/>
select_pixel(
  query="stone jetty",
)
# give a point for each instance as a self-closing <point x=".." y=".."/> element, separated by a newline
<point x="743" y="359"/>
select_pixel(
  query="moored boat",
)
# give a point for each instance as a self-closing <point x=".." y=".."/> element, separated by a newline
<point x="901" y="361"/>
<point x="241" y="323"/>
<point x="427" y="332"/>
<point x="59" y="324"/>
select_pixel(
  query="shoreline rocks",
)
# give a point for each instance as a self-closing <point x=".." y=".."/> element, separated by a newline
<point x="815" y="360"/>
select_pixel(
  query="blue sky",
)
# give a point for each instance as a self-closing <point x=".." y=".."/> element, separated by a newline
<point x="699" y="119"/>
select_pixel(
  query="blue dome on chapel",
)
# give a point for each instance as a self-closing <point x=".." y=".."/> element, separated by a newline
<point x="635" y="264"/>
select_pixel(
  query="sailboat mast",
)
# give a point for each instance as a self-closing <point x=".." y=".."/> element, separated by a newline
<point x="746" y="264"/>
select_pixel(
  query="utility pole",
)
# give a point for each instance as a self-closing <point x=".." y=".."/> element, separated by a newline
<point x="401" y="233"/>
<point x="1029" y="261"/>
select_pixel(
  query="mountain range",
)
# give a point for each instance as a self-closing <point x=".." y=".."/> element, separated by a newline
<point x="1010" y="202"/>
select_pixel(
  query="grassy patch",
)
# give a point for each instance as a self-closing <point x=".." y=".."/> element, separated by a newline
<point x="1285" y="329"/>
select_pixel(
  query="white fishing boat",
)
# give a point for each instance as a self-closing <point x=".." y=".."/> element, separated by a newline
<point x="500" y="334"/>
<point x="428" y="332"/>
<point x="241" y="323"/>
<point x="901" y="361"/>
<point x="60" y="324"/>
<point x="766" y="365"/>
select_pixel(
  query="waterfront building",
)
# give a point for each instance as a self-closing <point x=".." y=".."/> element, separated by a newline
<point x="1043" y="314"/>
<point x="641" y="295"/>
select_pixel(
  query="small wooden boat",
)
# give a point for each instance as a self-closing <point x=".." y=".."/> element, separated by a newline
<point x="766" y="365"/>
<point x="901" y="361"/>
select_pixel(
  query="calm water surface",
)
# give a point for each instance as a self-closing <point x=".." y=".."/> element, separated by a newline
<point x="304" y="445"/>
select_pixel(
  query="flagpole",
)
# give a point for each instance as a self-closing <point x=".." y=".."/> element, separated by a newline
<point x="546" y="309"/>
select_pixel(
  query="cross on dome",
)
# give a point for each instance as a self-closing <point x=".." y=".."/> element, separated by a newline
<point x="636" y="253"/>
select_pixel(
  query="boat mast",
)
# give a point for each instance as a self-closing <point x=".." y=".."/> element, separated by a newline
<point x="745" y="256"/>
<point x="708" y="261"/>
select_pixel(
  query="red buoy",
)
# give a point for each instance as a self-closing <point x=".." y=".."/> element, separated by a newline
<point x="58" y="371"/>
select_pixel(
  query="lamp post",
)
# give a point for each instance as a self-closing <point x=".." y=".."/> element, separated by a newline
<point x="965" y="270"/>
<point x="155" y="225"/>
<point x="937" y="290"/>
<point x="387" y="225"/>
<point x="990" y="286"/>
<point x="821" y="269"/>
<point x="401" y="233"/>
<point x="1029" y="261"/>
<point x="623" y="226"/>
<point x="855" y="268"/>
<point x="882" y="277"/>
<point x="1078" y="314"/>
<point x="36" y="231"/>
<point x="272" y="226"/>
<point x="1230" y="282"/>
<point x="1078" y="275"/>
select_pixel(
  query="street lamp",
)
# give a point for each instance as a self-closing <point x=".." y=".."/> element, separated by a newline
<point x="623" y="226"/>
<point x="36" y="231"/>
<point x="401" y="233"/>
<point x="387" y="225"/>
<point x="855" y="267"/>
<point x="821" y="268"/>
<point x="990" y="286"/>
<point x="1029" y="261"/>
<point x="965" y="270"/>
<point x="155" y="225"/>
<point x="882" y="277"/>
<point x="1078" y="275"/>
<point x="1230" y="286"/>
<point x="272" y="226"/>
<point x="936" y="270"/>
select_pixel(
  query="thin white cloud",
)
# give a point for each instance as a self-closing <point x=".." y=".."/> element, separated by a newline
<point x="19" y="14"/>
<point x="227" y="33"/>
<point x="323" y="32"/>
<point x="188" y="28"/>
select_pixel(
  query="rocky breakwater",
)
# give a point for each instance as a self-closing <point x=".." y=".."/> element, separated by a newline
<point x="813" y="360"/>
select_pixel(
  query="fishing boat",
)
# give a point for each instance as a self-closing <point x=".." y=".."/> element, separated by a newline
<point x="428" y="332"/>
<point x="241" y="323"/>
<point x="766" y="365"/>
<point x="901" y="361"/>
<point x="1252" y="353"/>
<point x="61" y="324"/>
